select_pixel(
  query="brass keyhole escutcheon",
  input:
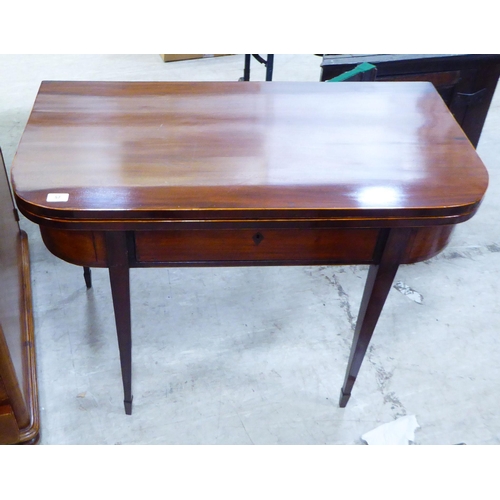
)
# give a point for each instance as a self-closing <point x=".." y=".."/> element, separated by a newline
<point x="257" y="238"/>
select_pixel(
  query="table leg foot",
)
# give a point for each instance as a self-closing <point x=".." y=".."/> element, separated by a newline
<point x="128" y="407"/>
<point x="87" y="276"/>
<point x="344" y="399"/>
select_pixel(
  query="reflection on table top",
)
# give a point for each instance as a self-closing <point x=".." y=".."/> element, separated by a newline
<point x="191" y="150"/>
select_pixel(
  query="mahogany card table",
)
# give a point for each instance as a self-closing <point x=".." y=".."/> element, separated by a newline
<point x="158" y="174"/>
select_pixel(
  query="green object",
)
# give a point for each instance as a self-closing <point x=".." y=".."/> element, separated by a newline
<point x="360" y="68"/>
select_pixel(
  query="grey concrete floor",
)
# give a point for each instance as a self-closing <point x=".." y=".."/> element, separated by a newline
<point x="257" y="355"/>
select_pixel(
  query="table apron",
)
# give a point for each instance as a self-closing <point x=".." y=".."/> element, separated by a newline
<point x="242" y="246"/>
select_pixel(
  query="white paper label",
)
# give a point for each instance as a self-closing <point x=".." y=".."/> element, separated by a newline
<point x="58" y="197"/>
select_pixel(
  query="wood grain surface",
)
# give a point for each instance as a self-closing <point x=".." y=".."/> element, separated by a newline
<point x="139" y="152"/>
<point x="19" y="414"/>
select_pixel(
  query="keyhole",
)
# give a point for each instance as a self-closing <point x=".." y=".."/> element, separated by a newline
<point x="257" y="238"/>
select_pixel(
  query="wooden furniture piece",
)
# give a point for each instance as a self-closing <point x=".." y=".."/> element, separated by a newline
<point x="149" y="174"/>
<point x="19" y="417"/>
<point x="466" y="82"/>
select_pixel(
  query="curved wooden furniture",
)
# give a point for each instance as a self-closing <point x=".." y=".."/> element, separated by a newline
<point x="144" y="174"/>
<point x="19" y="416"/>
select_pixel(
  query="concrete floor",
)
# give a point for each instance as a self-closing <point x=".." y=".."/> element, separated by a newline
<point x="257" y="355"/>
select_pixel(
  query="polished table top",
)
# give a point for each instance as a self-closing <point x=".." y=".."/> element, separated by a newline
<point x="369" y="152"/>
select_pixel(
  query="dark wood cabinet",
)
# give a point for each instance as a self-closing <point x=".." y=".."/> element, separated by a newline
<point x="466" y="82"/>
<point x="19" y="417"/>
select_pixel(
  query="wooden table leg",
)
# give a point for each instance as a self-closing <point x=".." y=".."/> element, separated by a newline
<point x="87" y="276"/>
<point x="391" y="247"/>
<point x="119" y="275"/>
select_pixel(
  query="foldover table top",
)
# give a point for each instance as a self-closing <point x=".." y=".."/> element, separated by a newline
<point x="372" y="152"/>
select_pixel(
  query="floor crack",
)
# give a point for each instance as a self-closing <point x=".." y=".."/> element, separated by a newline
<point x="383" y="377"/>
<point x="344" y="300"/>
